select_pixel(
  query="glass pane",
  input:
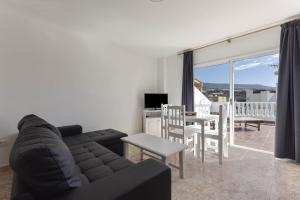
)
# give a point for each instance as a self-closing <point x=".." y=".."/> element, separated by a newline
<point x="255" y="101"/>
<point x="211" y="90"/>
<point x="213" y="82"/>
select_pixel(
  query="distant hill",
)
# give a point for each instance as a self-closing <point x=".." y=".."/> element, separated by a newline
<point x="223" y="86"/>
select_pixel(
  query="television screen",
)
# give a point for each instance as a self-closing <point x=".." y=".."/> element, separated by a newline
<point x="155" y="100"/>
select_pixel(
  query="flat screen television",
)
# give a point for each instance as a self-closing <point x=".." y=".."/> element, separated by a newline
<point x="154" y="100"/>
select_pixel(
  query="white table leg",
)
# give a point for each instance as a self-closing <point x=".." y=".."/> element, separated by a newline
<point x="198" y="145"/>
<point x="182" y="163"/>
<point x="203" y="140"/>
<point x="142" y="154"/>
<point x="125" y="149"/>
<point x="164" y="160"/>
<point x="195" y="140"/>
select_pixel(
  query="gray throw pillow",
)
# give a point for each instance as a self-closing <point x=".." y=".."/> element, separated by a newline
<point x="44" y="162"/>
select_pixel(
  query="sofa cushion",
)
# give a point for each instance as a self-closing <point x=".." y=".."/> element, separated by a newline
<point x="95" y="161"/>
<point x="76" y="139"/>
<point x="106" y="136"/>
<point x="43" y="162"/>
<point x="35" y="121"/>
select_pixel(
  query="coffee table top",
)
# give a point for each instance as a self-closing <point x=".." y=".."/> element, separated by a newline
<point x="154" y="144"/>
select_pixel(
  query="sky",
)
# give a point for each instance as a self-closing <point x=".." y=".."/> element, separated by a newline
<point x="248" y="71"/>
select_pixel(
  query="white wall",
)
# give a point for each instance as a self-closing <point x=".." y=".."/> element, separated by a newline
<point x="68" y="78"/>
<point x="260" y="42"/>
<point x="161" y="74"/>
<point x="174" y="78"/>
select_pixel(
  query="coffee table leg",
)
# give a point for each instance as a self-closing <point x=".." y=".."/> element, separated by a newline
<point x="182" y="163"/>
<point x="125" y="149"/>
<point x="142" y="155"/>
<point x="164" y="160"/>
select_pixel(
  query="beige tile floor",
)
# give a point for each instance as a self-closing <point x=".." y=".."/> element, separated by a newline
<point x="5" y="183"/>
<point x="245" y="175"/>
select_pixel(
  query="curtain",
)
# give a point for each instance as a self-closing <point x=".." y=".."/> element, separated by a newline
<point x="188" y="81"/>
<point x="287" y="138"/>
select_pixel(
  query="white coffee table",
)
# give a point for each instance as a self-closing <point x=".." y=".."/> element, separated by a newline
<point x="158" y="146"/>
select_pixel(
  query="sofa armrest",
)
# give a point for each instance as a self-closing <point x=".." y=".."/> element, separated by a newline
<point x="147" y="180"/>
<point x="70" y="130"/>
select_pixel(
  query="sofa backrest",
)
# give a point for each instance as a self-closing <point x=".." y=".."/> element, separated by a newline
<point x="41" y="160"/>
<point x="35" y="121"/>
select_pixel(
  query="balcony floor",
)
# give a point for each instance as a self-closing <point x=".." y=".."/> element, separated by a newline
<point x="251" y="137"/>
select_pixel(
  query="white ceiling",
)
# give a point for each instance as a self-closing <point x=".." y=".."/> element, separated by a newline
<point x="158" y="29"/>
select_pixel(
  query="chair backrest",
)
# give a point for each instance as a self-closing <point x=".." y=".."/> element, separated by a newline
<point x="176" y="121"/>
<point x="222" y="126"/>
<point x="164" y="120"/>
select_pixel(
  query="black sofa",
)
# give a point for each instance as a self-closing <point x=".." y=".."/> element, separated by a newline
<point x="64" y="164"/>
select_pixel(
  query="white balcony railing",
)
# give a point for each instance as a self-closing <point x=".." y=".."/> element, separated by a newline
<point x="262" y="110"/>
<point x="203" y="109"/>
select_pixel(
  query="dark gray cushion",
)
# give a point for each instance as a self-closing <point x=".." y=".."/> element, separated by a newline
<point x="44" y="162"/>
<point x="106" y="136"/>
<point x="76" y="139"/>
<point x="35" y="121"/>
<point x="94" y="161"/>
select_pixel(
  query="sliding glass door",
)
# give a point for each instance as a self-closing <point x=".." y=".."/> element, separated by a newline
<point x="247" y="86"/>
<point x="255" y="85"/>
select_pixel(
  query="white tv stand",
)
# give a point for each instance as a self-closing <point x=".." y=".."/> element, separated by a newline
<point x="152" y="122"/>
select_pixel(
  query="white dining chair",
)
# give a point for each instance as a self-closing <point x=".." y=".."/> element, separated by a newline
<point x="219" y="134"/>
<point x="164" y="120"/>
<point x="176" y="126"/>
